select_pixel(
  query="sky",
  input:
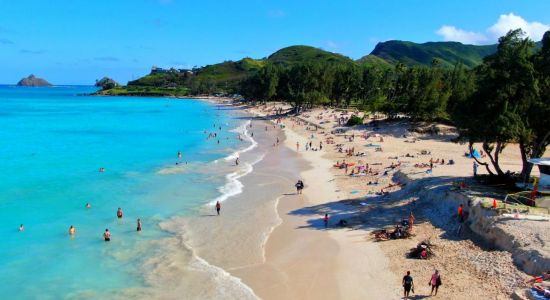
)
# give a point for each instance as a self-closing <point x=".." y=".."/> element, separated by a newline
<point x="78" y="41"/>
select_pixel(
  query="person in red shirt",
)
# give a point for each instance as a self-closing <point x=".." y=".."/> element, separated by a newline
<point x="325" y="220"/>
<point x="461" y="213"/>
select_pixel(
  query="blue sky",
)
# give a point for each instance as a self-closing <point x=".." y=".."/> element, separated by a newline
<point x="77" y="41"/>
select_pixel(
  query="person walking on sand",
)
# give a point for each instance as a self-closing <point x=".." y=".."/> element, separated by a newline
<point x="325" y="220"/>
<point x="138" y="224"/>
<point x="299" y="187"/>
<point x="435" y="282"/>
<point x="107" y="235"/>
<point x="411" y="222"/>
<point x="475" y="165"/>
<point x="237" y="161"/>
<point x="408" y="285"/>
<point x="119" y="213"/>
<point x="297" y="146"/>
<point x="218" y="207"/>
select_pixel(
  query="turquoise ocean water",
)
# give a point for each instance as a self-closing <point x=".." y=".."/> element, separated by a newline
<point x="52" y="144"/>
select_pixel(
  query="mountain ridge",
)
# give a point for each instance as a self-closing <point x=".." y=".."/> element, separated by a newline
<point x="225" y="76"/>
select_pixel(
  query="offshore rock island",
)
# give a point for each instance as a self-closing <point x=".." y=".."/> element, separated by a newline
<point x="33" y="81"/>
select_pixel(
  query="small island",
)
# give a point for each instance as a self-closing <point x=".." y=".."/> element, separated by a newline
<point x="106" y="83"/>
<point x="33" y="81"/>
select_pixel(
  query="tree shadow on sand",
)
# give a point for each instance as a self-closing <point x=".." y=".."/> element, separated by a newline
<point x="385" y="211"/>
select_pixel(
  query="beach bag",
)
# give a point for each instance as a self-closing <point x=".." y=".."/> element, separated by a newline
<point x="438" y="281"/>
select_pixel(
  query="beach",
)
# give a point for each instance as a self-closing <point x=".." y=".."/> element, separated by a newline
<point x="268" y="242"/>
<point x="304" y="260"/>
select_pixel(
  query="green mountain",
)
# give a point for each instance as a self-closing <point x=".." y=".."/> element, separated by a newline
<point x="299" y="54"/>
<point x="225" y="71"/>
<point x="448" y="53"/>
<point x="225" y="76"/>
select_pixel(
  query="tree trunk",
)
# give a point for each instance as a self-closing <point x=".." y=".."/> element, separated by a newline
<point x="494" y="160"/>
<point x="486" y="165"/>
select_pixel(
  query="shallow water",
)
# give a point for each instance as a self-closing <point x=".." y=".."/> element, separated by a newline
<point x="53" y="143"/>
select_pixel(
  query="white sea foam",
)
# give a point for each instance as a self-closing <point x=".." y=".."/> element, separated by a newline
<point x="226" y="284"/>
<point x="177" y="269"/>
<point x="242" y="129"/>
<point x="233" y="186"/>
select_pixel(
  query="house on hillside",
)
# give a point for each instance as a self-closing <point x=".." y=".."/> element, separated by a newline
<point x="157" y="70"/>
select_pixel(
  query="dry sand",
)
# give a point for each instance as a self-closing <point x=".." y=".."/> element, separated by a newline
<point x="306" y="261"/>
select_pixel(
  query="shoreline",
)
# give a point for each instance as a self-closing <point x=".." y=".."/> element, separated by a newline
<point x="275" y="244"/>
<point x="342" y="257"/>
<point x="470" y="268"/>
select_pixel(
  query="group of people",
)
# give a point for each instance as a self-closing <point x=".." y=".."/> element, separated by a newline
<point x="119" y="215"/>
<point x="408" y="284"/>
<point x="107" y="233"/>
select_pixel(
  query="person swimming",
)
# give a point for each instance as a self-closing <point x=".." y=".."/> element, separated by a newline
<point x="101" y="170"/>
<point x="107" y="235"/>
<point x="88" y="205"/>
<point x="119" y="213"/>
<point x="72" y="230"/>
<point x="179" y="154"/>
<point x="138" y="224"/>
<point x="21" y="227"/>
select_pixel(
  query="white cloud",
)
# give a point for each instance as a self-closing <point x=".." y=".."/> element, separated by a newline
<point x="505" y="23"/>
<point x="451" y="33"/>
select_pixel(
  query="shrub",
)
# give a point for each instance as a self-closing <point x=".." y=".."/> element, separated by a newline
<point x="354" y="120"/>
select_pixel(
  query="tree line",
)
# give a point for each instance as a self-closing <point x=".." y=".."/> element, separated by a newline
<point x="504" y="100"/>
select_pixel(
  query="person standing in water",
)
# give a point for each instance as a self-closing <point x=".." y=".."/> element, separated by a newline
<point x="237" y="161"/>
<point x="179" y="154"/>
<point x="21" y="227"/>
<point x="119" y="213"/>
<point x="138" y="224"/>
<point x="88" y="205"/>
<point x="218" y="207"/>
<point x="107" y="235"/>
<point x="325" y="220"/>
<point x="72" y="230"/>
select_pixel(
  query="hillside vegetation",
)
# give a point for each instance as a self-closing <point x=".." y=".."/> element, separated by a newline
<point x="227" y="76"/>
<point x="447" y="53"/>
<point x="300" y="54"/>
